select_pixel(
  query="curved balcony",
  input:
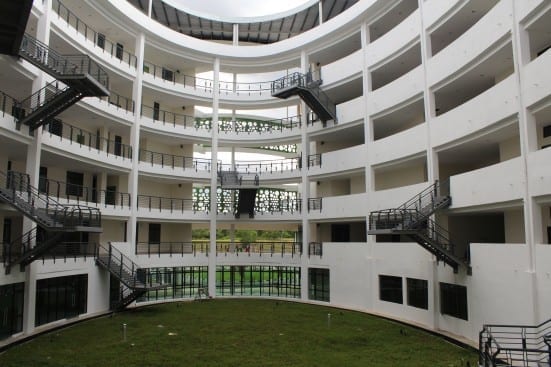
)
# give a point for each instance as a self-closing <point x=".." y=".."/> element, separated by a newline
<point x="405" y="88"/>
<point x="170" y="123"/>
<point x="536" y="79"/>
<point x="493" y="105"/>
<point x="169" y="165"/>
<point x="345" y="206"/>
<point x="435" y="10"/>
<point x="343" y="70"/>
<point x="489" y="185"/>
<point x="340" y="161"/>
<point x="116" y="106"/>
<point x="397" y="39"/>
<point x="173" y="248"/>
<point x="111" y="203"/>
<point x="168" y="208"/>
<point x="539" y="176"/>
<point x="74" y="29"/>
<point x="471" y="45"/>
<point x="243" y="130"/>
<point x="392" y="198"/>
<point x="271" y="170"/>
<point x="406" y="143"/>
<point x="65" y="139"/>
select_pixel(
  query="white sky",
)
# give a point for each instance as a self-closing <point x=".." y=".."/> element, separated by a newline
<point x="241" y="8"/>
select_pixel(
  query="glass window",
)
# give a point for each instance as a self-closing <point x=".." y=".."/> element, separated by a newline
<point x="390" y="289"/>
<point x="274" y="281"/>
<point x="11" y="309"/>
<point x="60" y="298"/>
<point x="184" y="282"/>
<point x="453" y="300"/>
<point x="75" y="180"/>
<point x="318" y="284"/>
<point x="418" y="294"/>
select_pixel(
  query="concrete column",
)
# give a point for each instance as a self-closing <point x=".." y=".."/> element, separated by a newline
<point x="236" y="34"/>
<point x="135" y="142"/>
<point x="149" y="7"/>
<point x="304" y="143"/>
<point x="32" y="168"/>
<point x="432" y="164"/>
<point x="532" y="212"/>
<point x="369" y="180"/>
<point x="214" y="178"/>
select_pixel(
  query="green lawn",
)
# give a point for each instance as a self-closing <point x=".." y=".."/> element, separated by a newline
<point x="241" y="333"/>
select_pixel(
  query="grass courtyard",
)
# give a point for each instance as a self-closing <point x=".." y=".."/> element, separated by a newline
<point x="238" y="332"/>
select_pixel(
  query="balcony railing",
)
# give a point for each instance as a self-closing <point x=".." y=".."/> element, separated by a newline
<point x="314" y="160"/>
<point x="10" y="106"/>
<point x="70" y="250"/>
<point x="260" y="248"/>
<point x="315" y="249"/>
<point x="172" y="248"/>
<point x="174" y="205"/>
<point x="62" y="191"/>
<point x="249" y="125"/>
<point x="315" y="204"/>
<point x="169" y="118"/>
<point x="98" y="39"/>
<point x="120" y="102"/>
<point x="260" y="167"/>
<point x="174" y="161"/>
<point x="83" y="138"/>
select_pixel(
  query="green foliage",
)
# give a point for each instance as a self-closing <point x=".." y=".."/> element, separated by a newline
<point x="238" y="332"/>
<point x="244" y="235"/>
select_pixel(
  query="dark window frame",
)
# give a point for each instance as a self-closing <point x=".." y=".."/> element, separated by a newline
<point x="390" y="290"/>
<point x="417" y="293"/>
<point x="319" y="284"/>
<point x="454" y="301"/>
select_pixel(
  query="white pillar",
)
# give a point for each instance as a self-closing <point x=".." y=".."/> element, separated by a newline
<point x="32" y="168"/>
<point x="214" y="178"/>
<point x="320" y="7"/>
<point x="236" y="34"/>
<point x="304" y="143"/>
<point x="135" y="142"/>
<point x="521" y="56"/>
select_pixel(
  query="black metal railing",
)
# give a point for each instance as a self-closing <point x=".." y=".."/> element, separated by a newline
<point x="63" y="191"/>
<point x="260" y="167"/>
<point x="427" y="199"/>
<point x="61" y="66"/>
<point x="315" y="204"/>
<point x="172" y="248"/>
<point x="315" y="249"/>
<point x="40" y="98"/>
<point x="173" y="205"/>
<point x="98" y="39"/>
<point x="17" y="191"/>
<point x="119" y="101"/>
<point x="83" y="138"/>
<point x="174" y="161"/>
<point x="168" y="117"/>
<point x="515" y="345"/>
<point x="12" y="107"/>
<point x="314" y="160"/>
<point x="261" y="248"/>
<point x="120" y="266"/>
<point x="64" y="251"/>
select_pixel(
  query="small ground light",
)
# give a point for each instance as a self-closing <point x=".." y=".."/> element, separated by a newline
<point x="328" y="320"/>
<point x="124" y="332"/>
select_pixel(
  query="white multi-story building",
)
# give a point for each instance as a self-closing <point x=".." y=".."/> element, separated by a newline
<point x="447" y="98"/>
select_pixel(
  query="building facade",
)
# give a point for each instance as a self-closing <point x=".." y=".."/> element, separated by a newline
<point x="455" y="92"/>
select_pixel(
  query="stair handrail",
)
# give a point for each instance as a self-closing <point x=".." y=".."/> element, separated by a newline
<point x="60" y="65"/>
<point x="419" y="201"/>
<point x="19" y="184"/>
<point x="123" y="263"/>
<point x="511" y="345"/>
<point x="41" y="97"/>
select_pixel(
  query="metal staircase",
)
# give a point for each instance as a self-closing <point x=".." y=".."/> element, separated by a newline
<point x="412" y="219"/>
<point x="515" y="345"/>
<point x="309" y="90"/>
<point x="246" y="186"/>
<point x="82" y="76"/>
<point x="127" y="272"/>
<point x="51" y="216"/>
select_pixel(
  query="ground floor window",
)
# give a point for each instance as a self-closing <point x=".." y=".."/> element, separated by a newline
<point x="418" y="294"/>
<point x="453" y="300"/>
<point x="255" y="280"/>
<point x="390" y="289"/>
<point x="183" y="282"/>
<point x="318" y="284"/>
<point x="11" y="309"/>
<point x="60" y="298"/>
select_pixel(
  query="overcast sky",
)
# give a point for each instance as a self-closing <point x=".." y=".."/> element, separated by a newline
<point x="240" y="8"/>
